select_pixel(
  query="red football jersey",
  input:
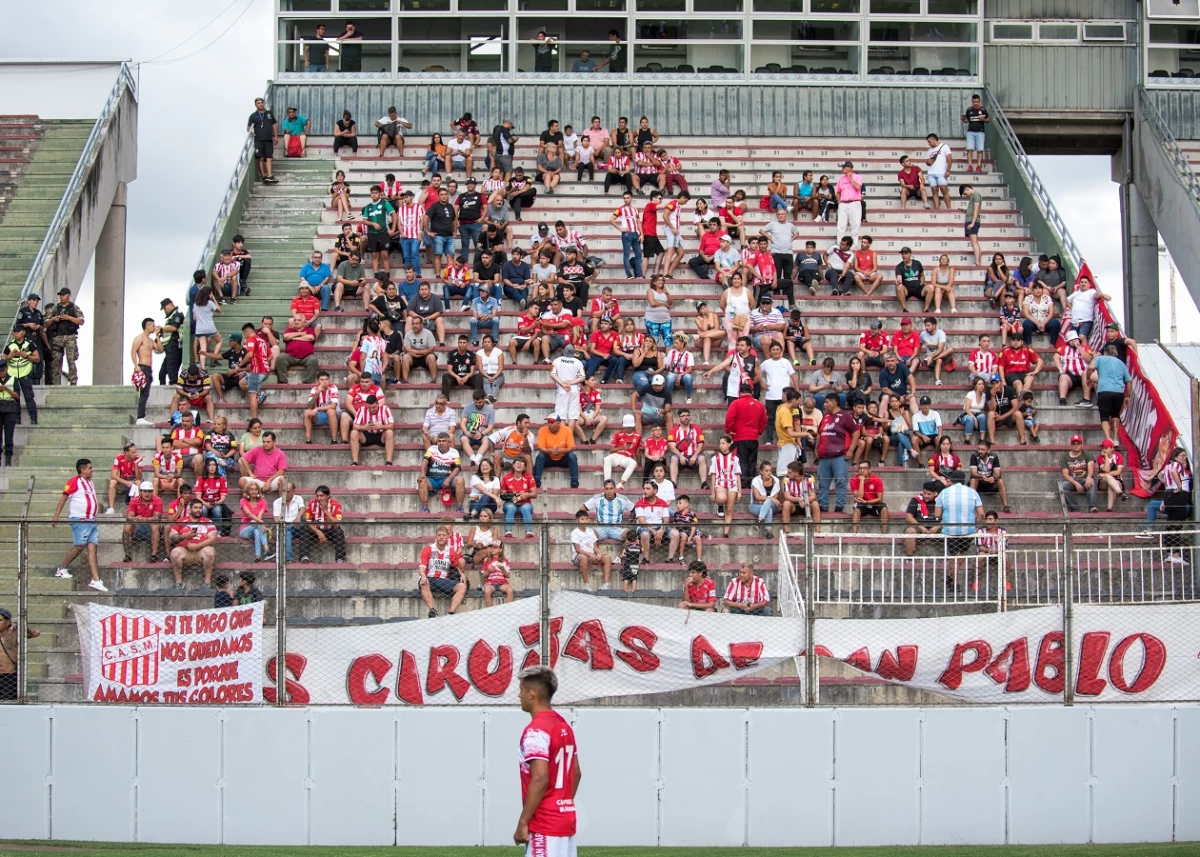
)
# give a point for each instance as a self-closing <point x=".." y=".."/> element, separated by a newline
<point x="549" y="738"/>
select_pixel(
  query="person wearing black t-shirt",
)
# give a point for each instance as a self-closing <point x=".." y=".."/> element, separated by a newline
<point x="910" y="278"/>
<point x="921" y="516"/>
<point x="521" y="192"/>
<point x="579" y="273"/>
<point x="570" y="300"/>
<point x="351" y="59"/>
<point x="1004" y="410"/>
<point x="233" y="377"/>
<point x="390" y="305"/>
<point x="266" y="134"/>
<point x="985" y="473"/>
<point x="550" y="135"/>
<point x="487" y="271"/>
<point x="439" y="224"/>
<point x="470" y="216"/>
<point x="615" y="61"/>
<point x="460" y="369"/>
<point x="976" y="117"/>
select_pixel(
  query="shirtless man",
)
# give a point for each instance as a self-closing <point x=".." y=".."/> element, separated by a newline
<point x="10" y="646"/>
<point x="145" y="345"/>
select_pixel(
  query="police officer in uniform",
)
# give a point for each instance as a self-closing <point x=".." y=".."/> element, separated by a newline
<point x="10" y="411"/>
<point x="31" y="318"/>
<point x="23" y="357"/>
<point x="172" y="343"/>
<point x="62" y="328"/>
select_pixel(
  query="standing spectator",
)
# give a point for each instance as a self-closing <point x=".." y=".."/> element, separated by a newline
<point x="10" y="411"/>
<point x="63" y="321"/>
<point x="745" y="421"/>
<point x="867" y="489"/>
<point x="265" y="464"/>
<point x="835" y="437"/>
<point x="1078" y="477"/>
<point x="376" y="215"/>
<point x="316" y="56"/>
<point x="266" y="134"/>
<point x="556" y="448"/>
<point x="976" y="118"/>
<point x="247" y="592"/>
<point x="627" y="221"/>
<point x="517" y="490"/>
<point x="747" y="594"/>
<point x="567" y="373"/>
<point x="922" y="516"/>
<point x="141" y="352"/>
<point x="323" y="525"/>
<point x="79" y="496"/>
<point x="973" y="217"/>
<point x="960" y="511"/>
<point x="778" y="376"/>
<point x="726" y="474"/>
<point x="849" y="190"/>
<point x="1113" y="385"/>
<point x="940" y="159"/>
<point x="373" y="426"/>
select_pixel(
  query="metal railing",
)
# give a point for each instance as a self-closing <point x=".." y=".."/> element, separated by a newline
<point x="70" y="196"/>
<point x="1149" y="113"/>
<point x="1037" y="192"/>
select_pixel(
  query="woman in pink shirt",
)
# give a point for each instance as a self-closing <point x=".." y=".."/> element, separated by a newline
<point x="254" y="513"/>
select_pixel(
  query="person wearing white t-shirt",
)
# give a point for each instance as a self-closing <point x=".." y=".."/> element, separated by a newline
<point x="391" y="131"/>
<point x="586" y="552"/>
<point x="1082" y="306"/>
<point x="927" y="427"/>
<point x="567" y="373"/>
<point x="289" y="508"/>
<point x="458" y="154"/>
<point x="939" y="158"/>
<point x="777" y="374"/>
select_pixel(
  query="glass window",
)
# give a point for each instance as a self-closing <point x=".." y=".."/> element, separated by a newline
<point x="1173" y="8"/>
<point x="835" y="7"/>
<point x="365" y="5"/>
<point x="1173" y="62"/>
<point x="482" y="5"/>
<point x="922" y="31"/>
<point x="712" y="5"/>
<point x="661" y="5"/>
<point x="688" y="58"/>
<point x="895" y="7"/>
<point x="304" y="5"/>
<point x="953" y="7"/>
<point x="1012" y="32"/>
<point x="486" y="53"/>
<point x="1058" y="32"/>
<point x="425" y="5"/>
<point x="600" y="5"/>
<point x="818" y="30"/>
<point x="688" y="29"/>
<point x="919" y="60"/>
<point x="1175" y="34"/>
<point x="804" y="59"/>
<point x="541" y="5"/>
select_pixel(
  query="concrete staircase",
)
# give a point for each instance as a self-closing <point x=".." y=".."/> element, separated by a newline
<point x="285" y="222"/>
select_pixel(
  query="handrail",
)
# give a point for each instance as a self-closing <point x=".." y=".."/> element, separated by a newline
<point x="240" y="171"/>
<point x="28" y="498"/>
<point x="1153" y="117"/>
<point x="74" y="189"/>
<point x="1053" y="218"/>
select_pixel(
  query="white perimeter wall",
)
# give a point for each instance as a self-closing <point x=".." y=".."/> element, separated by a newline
<point x="56" y="90"/>
<point x="680" y="777"/>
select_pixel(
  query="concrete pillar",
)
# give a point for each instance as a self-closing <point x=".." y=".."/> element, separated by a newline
<point x="1141" y="285"/>
<point x="108" y="324"/>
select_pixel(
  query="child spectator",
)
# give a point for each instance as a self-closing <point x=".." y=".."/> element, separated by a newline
<point x="495" y="577"/>
<point x="1011" y="320"/>
<point x="1029" y="417"/>
<point x="585" y="551"/>
<point x="684" y="531"/>
<point x="699" y="591"/>
<point x="631" y="560"/>
<point x="799" y="495"/>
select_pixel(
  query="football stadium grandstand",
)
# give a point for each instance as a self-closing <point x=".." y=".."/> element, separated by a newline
<point x="580" y="241"/>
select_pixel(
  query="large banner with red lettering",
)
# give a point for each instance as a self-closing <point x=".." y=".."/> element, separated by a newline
<point x="1119" y="653"/>
<point x="599" y="647"/>
<point x="197" y="657"/>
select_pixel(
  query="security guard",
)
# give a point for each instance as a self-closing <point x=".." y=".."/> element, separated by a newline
<point x="30" y="317"/>
<point x="10" y="411"/>
<point x="62" y="327"/>
<point x="23" y="356"/>
<point x="172" y="343"/>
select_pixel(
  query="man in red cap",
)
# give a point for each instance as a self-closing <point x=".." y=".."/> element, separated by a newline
<point x="1078" y="477"/>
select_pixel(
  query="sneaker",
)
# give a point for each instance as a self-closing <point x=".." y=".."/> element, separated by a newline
<point x="1062" y="403"/>
<point x="110" y="511"/>
<point x="128" y="558"/>
<point x="1035" y="438"/>
<point x="491" y="400"/>
<point x="97" y="585"/>
<point x="432" y="613"/>
<point x="1084" y="403"/>
<point x="689" y="400"/>
<point x="63" y="574"/>
<point x="1144" y="534"/>
<point x="268" y="557"/>
<point x="1176" y="559"/>
<point x="179" y="585"/>
<point x="424" y="510"/>
<point x="305" y="558"/>
<point x="476" y="458"/>
<point x="262" y="396"/>
<point x="530" y="534"/>
<point x="938" y="382"/>
<point x="606" y="586"/>
<point x="465" y="307"/>
<point x="142" y="421"/>
<point x="338" y="308"/>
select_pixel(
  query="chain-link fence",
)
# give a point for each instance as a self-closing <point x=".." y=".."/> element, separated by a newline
<point x="632" y="609"/>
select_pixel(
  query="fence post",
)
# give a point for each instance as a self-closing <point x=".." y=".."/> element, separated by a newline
<point x="281" y="612"/>
<point x="544" y="593"/>
<point x="812" y="687"/>
<point x="22" y="609"/>
<point x="1068" y="617"/>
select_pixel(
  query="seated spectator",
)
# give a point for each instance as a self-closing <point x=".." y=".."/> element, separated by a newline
<point x="767" y="325"/>
<point x="998" y="280"/>
<point x="1078" y="477"/>
<point x="323" y="525"/>
<point x="1004" y="409"/>
<point x="798" y="495"/>
<point x="873" y="435"/>
<point x="1110" y="467"/>
<point x="356" y="399"/>
<point x="646" y="359"/>
<point x="441" y="571"/>
<point x="906" y="343"/>
<point x="652" y="406"/>
<point x="590" y="417"/>
<point x="912" y="183"/>
<point x="419" y="350"/>
<point x="485" y="314"/>
<point x="555" y="323"/>
<point x="685" y="449"/>
<point x="495" y="577"/>
<point x="747" y="594"/>
<point x="1071" y="360"/>
<point x="373" y="426"/>
<point x="943" y="284"/>
<point x="213" y="489"/>
<point x="935" y="352"/>
<point x="710" y="244"/>
<point x="867" y="489"/>
<point x="927" y="426"/>
<point x="866" y="272"/>
<point x="910" y="281"/>
<point x="625" y="446"/>
<point x="288" y="509"/>
<point x="426" y="310"/>
<point x="685" y="531"/>
<point x="441" y="470"/>
<point x="899" y="428"/>
<point x="247" y="592"/>
<point x="253" y="528"/>
<point x="189" y="441"/>
<point x="603" y="352"/>
<point x="982" y="362"/>
<point x="516" y="278"/>
<point x="973" y="419"/>
<point x="944" y="465"/>
<point x="765" y="496"/>
<point x="351" y="280"/>
<point x="1029" y="416"/>
<point x="461" y="368"/>
<point x="476" y="421"/>
<point x="556" y="448"/>
<point x="167" y="467"/>
<point x="315" y="287"/>
<point x="521" y="192"/>
<point x="1038" y="312"/>
<point x="517" y="490"/>
<point x="1019" y="365"/>
<point x="1011" y="320"/>
<point x="323" y="408"/>
<point x="652" y="515"/>
<point x="921" y="516"/>
<point x="223" y="596"/>
<point x="143" y="519"/>
<point x="586" y="552"/>
<point x="1053" y="279"/>
<point x="191" y="539"/>
<point x="127" y="474"/>
<point x="528" y="336"/>
<point x="193" y="392"/>
<point x="234" y="378"/>
<point x="507" y="444"/>
<point x="266" y="465"/>
<point x="298" y="350"/>
<point x="484" y="492"/>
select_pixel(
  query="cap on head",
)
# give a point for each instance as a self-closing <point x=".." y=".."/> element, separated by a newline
<point x="553" y="418"/>
<point x="146" y="486"/>
<point x="63" y="291"/>
<point x="1073" y="336"/>
<point x="236" y="337"/>
<point x="166" y="302"/>
<point x="925" y="400"/>
<point x="1076" y="438"/>
<point x="628" y="421"/>
<point x="996" y="378"/>
<point x="657" y="380"/>
<point x="39" y="297"/>
<point x="1108" y="444"/>
<point x="725" y="239"/>
<point x="849" y="164"/>
<point x="765" y="299"/>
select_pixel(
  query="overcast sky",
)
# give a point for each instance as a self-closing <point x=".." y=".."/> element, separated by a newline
<point x="190" y="133"/>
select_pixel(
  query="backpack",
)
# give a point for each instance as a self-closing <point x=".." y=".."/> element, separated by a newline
<point x="293" y="146"/>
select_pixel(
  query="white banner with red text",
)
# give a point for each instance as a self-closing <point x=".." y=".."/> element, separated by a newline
<point x="212" y="657"/>
<point x="1119" y="653"/>
<point x="599" y="647"/>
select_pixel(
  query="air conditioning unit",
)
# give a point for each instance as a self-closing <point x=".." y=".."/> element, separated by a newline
<point x="1106" y="32"/>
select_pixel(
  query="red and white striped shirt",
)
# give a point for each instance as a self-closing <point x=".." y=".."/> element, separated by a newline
<point x="168" y="462"/>
<point x="571" y="239"/>
<point x="686" y="438"/>
<point x="456" y="275"/>
<point x="380" y="415"/>
<point x="673" y="215"/>
<point x="1073" y="362"/>
<point x="753" y="593"/>
<point x="437" y="563"/>
<point x="672" y="166"/>
<point x="319" y="515"/>
<point x="409" y="219"/>
<point x="726" y="470"/>
<point x="390" y="191"/>
<point x="221" y="270"/>
<point x="81" y="502"/>
<point x="599" y="307"/>
<point x="630" y="341"/>
<point x="490" y="186"/>
<point x="260" y="355"/>
<point x="646" y="164"/>
<point x="991" y="541"/>
<point x="801" y="488"/>
<point x="618" y="162"/>
<point x="750" y="257"/>
<point x="628" y="217"/>
<point x="983" y="362"/>
<point x="325" y="398"/>
<point x="680" y="362"/>
<point x="1175" y="478"/>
